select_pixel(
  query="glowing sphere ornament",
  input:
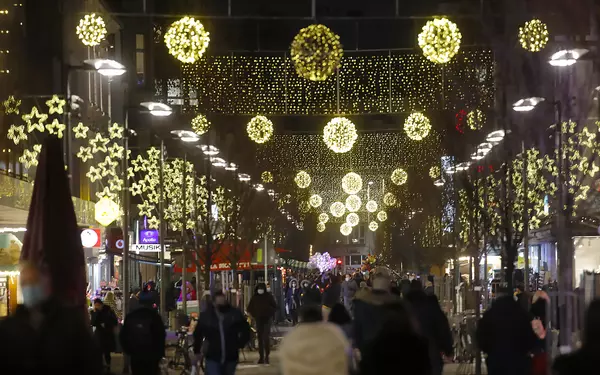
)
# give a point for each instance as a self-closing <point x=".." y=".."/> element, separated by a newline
<point x="382" y="216"/>
<point x="399" y="176"/>
<point x="302" y="179"/>
<point x="337" y="209"/>
<point x="389" y="199"/>
<point x="91" y="30"/>
<point x="260" y="129"/>
<point x="200" y="124"/>
<point x="320" y="227"/>
<point x="353" y="203"/>
<point x="266" y="177"/>
<point x="475" y="119"/>
<point x="345" y="229"/>
<point x="371" y="206"/>
<point x="417" y="126"/>
<point x="373" y="226"/>
<point x="316" y="52"/>
<point x="315" y="200"/>
<point x="339" y="135"/>
<point x="352" y="219"/>
<point x="352" y="183"/>
<point x="533" y="36"/>
<point x="187" y="40"/>
<point x="434" y="172"/>
<point x="323" y="218"/>
<point x="440" y="40"/>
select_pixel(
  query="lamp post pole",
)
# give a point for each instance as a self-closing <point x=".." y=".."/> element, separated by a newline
<point x="183" y="241"/>
<point x="163" y="232"/>
<point x="126" y="287"/>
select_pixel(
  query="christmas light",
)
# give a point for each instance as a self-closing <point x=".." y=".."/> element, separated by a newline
<point x="315" y="200"/>
<point x="417" y="126"/>
<point x="434" y="172"/>
<point x="320" y="227"/>
<point x="39" y="125"/>
<point x="389" y="199"/>
<point x="56" y="128"/>
<point x="345" y="229"/>
<point x="373" y="226"/>
<point x="115" y="131"/>
<point x="352" y="183"/>
<point x="56" y="105"/>
<point x="353" y="203"/>
<point x="371" y="206"/>
<point x="11" y="105"/>
<point x="266" y="177"/>
<point x="91" y="30"/>
<point x="187" y="40"/>
<point x="440" y="40"/>
<point x="399" y="176"/>
<point x="16" y="134"/>
<point x="302" y="179"/>
<point x="324" y="262"/>
<point x="475" y="119"/>
<point x="533" y="36"/>
<point x="260" y="129"/>
<point x="337" y="209"/>
<point x="81" y="131"/>
<point x="352" y="219"/>
<point x="382" y="216"/>
<point x="200" y="124"/>
<point x="316" y="52"/>
<point x="340" y="134"/>
<point x="106" y="211"/>
<point x="323" y="218"/>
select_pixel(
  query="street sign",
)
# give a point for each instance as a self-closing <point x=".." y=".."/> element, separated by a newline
<point x="148" y="236"/>
<point x="141" y="248"/>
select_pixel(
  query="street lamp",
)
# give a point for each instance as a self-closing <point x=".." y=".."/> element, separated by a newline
<point x="209" y="150"/>
<point x="186" y="136"/>
<point x="232" y="167"/>
<point x="106" y="67"/>
<point x="218" y="162"/>
<point x="157" y="109"/>
<point x="495" y="137"/>
<point x="567" y="57"/>
<point x="527" y="104"/>
<point x="438" y="183"/>
<point x="244" y="177"/>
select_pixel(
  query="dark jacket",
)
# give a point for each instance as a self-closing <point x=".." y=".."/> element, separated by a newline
<point x="235" y="330"/>
<point x="311" y="295"/>
<point x="369" y="308"/>
<point x="155" y="349"/>
<point x="63" y="343"/>
<point x="538" y="311"/>
<point x="134" y="304"/>
<point x="262" y="306"/>
<point x="292" y="298"/>
<point x="332" y="295"/>
<point x="105" y="321"/>
<point x="583" y="361"/>
<point x="505" y="334"/>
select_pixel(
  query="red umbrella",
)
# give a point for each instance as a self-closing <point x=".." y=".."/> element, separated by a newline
<point x="52" y="240"/>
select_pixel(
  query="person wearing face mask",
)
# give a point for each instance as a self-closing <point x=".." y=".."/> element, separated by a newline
<point x="44" y="335"/>
<point x="105" y="321"/>
<point x="292" y="301"/>
<point x="225" y="331"/>
<point x="261" y="308"/>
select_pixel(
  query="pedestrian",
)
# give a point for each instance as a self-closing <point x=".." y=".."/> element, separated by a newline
<point x="311" y="295"/>
<point x="262" y="308"/>
<point x="539" y="324"/>
<point x="143" y="340"/>
<point x="292" y="301"/>
<point x="394" y="289"/>
<point x="134" y="300"/>
<point x="226" y="331"/>
<point x="44" y="335"/>
<point x="349" y="289"/>
<point x="341" y="317"/>
<point x="331" y="295"/>
<point x="585" y="360"/>
<point x="315" y="348"/>
<point x="104" y="321"/>
<point x="504" y="333"/>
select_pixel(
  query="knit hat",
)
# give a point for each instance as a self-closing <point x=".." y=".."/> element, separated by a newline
<point x="315" y="349"/>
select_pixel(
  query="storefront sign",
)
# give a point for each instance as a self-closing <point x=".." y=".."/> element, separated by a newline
<point x="141" y="248"/>
<point x="148" y="236"/>
<point x="91" y="238"/>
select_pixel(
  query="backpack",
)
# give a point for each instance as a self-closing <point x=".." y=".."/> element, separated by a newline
<point x="139" y="334"/>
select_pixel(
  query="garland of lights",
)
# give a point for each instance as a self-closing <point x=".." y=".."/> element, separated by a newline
<point x="352" y="219"/>
<point x="352" y="183"/>
<point x="353" y="203"/>
<point x="266" y="177"/>
<point x="382" y="216"/>
<point x="320" y="227"/>
<point x="399" y="176"/>
<point x="91" y="30"/>
<point x="389" y="199"/>
<point x="533" y="36"/>
<point x="200" y="124"/>
<point x="475" y="119"/>
<point x="302" y="179"/>
<point x="315" y="201"/>
<point x="187" y="40"/>
<point x="435" y="172"/>
<point x="440" y="40"/>
<point x="260" y="129"/>
<point x="339" y="135"/>
<point x="371" y="206"/>
<point x="323" y="218"/>
<point x="337" y="209"/>
<point x="417" y="126"/>
<point x="373" y="226"/>
<point x="345" y="229"/>
<point x="316" y="52"/>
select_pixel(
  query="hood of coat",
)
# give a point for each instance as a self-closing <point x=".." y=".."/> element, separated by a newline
<point x="262" y="286"/>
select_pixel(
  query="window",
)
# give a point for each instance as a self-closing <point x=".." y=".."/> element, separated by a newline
<point x="139" y="58"/>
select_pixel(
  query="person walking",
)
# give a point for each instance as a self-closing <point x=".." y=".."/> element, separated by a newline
<point x="539" y="324"/>
<point x="349" y="289"/>
<point x="104" y="321"/>
<point x="134" y="301"/>
<point x="292" y="301"/>
<point x="311" y="295"/>
<point x="143" y="340"/>
<point x="226" y="331"/>
<point x="341" y="317"/>
<point x="262" y="308"/>
<point x="331" y="295"/>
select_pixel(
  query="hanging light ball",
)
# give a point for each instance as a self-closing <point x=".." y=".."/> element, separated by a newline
<point x="373" y="226"/>
<point x="187" y="40"/>
<point x="337" y="209"/>
<point x="320" y="227"/>
<point x="399" y="176"/>
<point x="533" y="36"/>
<point x="304" y="207"/>
<point x="353" y="203"/>
<point x="417" y="126"/>
<point x="389" y="199"/>
<point x="440" y="40"/>
<point x="266" y="177"/>
<point x="200" y="124"/>
<point x="302" y="179"/>
<point x="315" y="200"/>
<point x="316" y="52"/>
<point x="371" y="206"/>
<point x="323" y="218"/>
<point x="339" y="135"/>
<point x="352" y="183"/>
<point x="260" y="129"/>
<point x="475" y="119"/>
<point x="345" y="229"/>
<point x="91" y="30"/>
<point x="434" y="172"/>
<point x="382" y="216"/>
<point x="352" y="219"/>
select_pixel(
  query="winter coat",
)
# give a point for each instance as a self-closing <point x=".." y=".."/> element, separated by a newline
<point x="63" y="343"/>
<point x="156" y="349"/>
<point x="134" y="304"/>
<point x="505" y="334"/>
<point x="311" y="295"/>
<point x="236" y="332"/>
<point x="292" y="299"/>
<point x="538" y="311"/>
<point x="369" y="308"/>
<point x="105" y="321"/>
<point x="262" y="306"/>
<point x="332" y="295"/>
<point x="349" y="289"/>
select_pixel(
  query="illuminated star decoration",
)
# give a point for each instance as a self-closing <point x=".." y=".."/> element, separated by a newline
<point x="108" y="166"/>
<point x="56" y="128"/>
<point x="81" y="131"/>
<point x="11" y="105"/>
<point x="99" y="143"/>
<point x="55" y="105"/>
<point x="16" y="133"/>
<point x="115" y="131"/>
<point x="94" y="174"/>
<point x="39" y="125"/>
<point x="85" y="153"/>
<point x="116" y="151"/>
<point x="153" y="222"/>
<point x="29" y="158"/>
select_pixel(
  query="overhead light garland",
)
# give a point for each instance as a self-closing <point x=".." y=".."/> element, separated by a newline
<point x="389" y="199"/>
<point x="260" y="129"/>
<point x="323" y="218"/>
<point x="187" y="40"/>
<point x="352" y="183"/>
<point x="345" y="229"/>
<point x="320" y="227"/>
<point x="316" y="52"/>
<point x="533" y="36"/>
<point x="371" y="206"/>
<point x="417" y="126"/>
<point x="373" y="226"/>
<point x="435" y="172"/>
<point x="352" y="219"/>
<point x="382" y="216"/>
<point x="440" y="40"/>
<point x="399" y="176"/>
<point x="91" y="30"/>
<point x="475" y="119"/>
<point x="266" y="177"/>
<point x="340" y="134"/>
<point x="302" y="179"/>
<point x="337" y="209"/>
<point x="315" y="201"/>
<point x="353" y="203"/>
<point x="200" y="124"/>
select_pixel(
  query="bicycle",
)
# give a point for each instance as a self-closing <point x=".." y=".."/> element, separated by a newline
<point x="183" y="354"/>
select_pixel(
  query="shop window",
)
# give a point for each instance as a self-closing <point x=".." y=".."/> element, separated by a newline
<point x="139" y="58"/>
